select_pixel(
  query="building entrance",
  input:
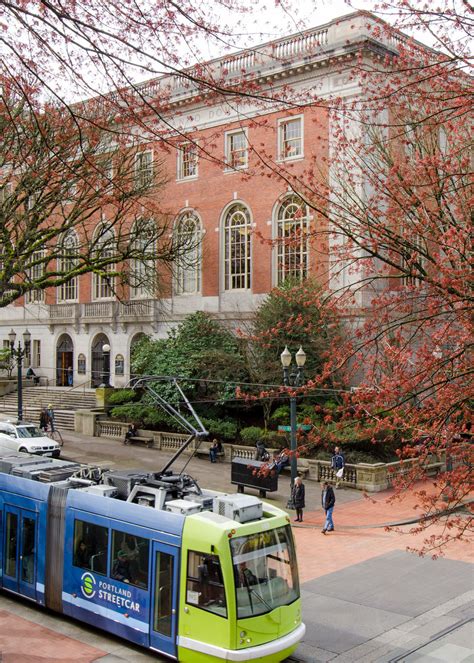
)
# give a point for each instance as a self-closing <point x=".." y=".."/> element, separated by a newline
<point x="64" y="361"/>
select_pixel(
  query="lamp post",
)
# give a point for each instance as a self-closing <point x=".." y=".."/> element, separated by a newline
<point x="438" y="355"/>
<point x="19" y="353"/>
<point x="293" y="378"/>
<point x="106" y="366"/>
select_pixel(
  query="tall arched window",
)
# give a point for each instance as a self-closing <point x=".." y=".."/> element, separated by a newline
<point x="104" y="285"/>
<point x="142" y="270"/>
<point x="67" y="262"/>
<point x="188" y="244"/>
<point x="237" y="248"/>
<point x="292" y="236"/>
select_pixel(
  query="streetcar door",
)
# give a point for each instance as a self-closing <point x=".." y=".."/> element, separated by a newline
<point x="19" y="551"/>
<point x="164" y="601"/>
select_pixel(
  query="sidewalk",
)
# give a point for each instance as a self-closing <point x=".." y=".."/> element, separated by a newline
<point x="364" y="597"/>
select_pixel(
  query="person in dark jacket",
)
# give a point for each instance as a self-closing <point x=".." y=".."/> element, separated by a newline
<point x="297" y="496"/>
<point x="44" y="420"/>
<point x="261" y="452"/>
<point x="328" y="500"/>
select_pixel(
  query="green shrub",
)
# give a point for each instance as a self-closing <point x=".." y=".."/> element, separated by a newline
<point x="281" y="416"/>
<point x="225" y="430"/>
<point x="121" y="396"/>
<point x="251" y="435"/>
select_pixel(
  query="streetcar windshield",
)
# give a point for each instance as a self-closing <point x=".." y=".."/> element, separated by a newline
<point x="29" y="431"/>
<point x="265" y="571"/>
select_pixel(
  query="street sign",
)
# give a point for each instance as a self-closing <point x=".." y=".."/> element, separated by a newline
<point x="287" y="429"/>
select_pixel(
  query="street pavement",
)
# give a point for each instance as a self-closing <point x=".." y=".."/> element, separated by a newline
<point x="365" y="598"/>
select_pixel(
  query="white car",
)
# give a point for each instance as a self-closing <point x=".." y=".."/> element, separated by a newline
<point x="26" y="438"/>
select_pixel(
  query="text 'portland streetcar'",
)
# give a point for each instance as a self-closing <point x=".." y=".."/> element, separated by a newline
<point x="193" y="574"/>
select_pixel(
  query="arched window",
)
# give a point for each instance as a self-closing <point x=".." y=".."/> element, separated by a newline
<point x="67" y="262"/>
<point x="142" y="270"/>
<point x="188" y="245"/>
<point x="104" y="284"/>
<point x="237" y="248"/>
<point x="292" y="236"/>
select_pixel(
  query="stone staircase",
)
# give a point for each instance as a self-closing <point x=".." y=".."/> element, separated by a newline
<point x="64" y="401"/>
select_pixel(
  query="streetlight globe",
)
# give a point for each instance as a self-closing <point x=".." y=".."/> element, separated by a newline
<point x="26" y="336"/>
<point x="285" y="358"/>
<point x="300" y="358"/>
<point x="12" y="337"/>
<point x="106" y="348"/>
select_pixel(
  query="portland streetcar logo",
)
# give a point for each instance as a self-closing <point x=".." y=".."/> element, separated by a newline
<point x="88" y="585"/>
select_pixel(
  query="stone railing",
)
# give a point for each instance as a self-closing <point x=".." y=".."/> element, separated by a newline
<point x="372" y="477"/>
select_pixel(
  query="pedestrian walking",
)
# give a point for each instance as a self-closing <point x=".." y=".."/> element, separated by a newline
<point x="328" y="500"/>
<point x="44" y="420"/>
<point x="70" y="376"/>
<point x="338" y="463"/>
<point x="50" y="413"/>
<point x="297" y="496"/>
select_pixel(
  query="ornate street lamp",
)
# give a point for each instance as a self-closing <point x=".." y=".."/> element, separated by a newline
<point x="106" y="366"/>
<point x="18" y="354"/>
<point x="293" y="377"/>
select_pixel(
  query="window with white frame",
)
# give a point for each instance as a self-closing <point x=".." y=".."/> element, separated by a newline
<point x="237" y="248"/>
<point x="187" y="161"/>
<point x="144" y="169"/>
<point x="67" y="262"/>
<point x="36" y="357"/>
<point x="290" y="138"/>
<point x="142" y="270"/>
<point x="188" y="242"/>
<point x="236" y="149"/>
<point x="104" y="283"/>
<point x="35" y="271"/>
<point x="293" y="240"/>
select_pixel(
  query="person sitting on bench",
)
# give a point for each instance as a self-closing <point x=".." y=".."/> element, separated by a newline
<point x="132" y="432"/>
<point x="30" y="374"/>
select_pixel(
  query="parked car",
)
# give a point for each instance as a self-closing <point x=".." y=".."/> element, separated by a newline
<point x="23" y="436"/>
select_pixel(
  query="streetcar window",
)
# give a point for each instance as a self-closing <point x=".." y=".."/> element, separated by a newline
<point x="265" y="571"/>
<point x="205" y="585"/>
<point x="163" y="612"/>
<point x="90" y="547"/>
<point x="129" y="559"/>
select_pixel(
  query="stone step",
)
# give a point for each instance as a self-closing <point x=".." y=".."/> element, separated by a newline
<point x="64" y="419"/>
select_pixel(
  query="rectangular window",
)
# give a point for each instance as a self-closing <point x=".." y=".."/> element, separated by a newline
<point x="163" y="613"/>
<point x="11" y="550"/>
<point x="104" y="285"/>
<point x="34" y="273"/>
<point x="129" y="559"/>
<point x="90" y="547"/>
<point x="205" y="584"/>
<point x="265" y="571"/>
<point x="290" y="138"/>
<point x="36" y="354"/>
<point x="144" y="169"/>
<point x="236" y="150"/>
<point x="187" y="161"/>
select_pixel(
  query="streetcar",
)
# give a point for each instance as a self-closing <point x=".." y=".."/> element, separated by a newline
<point x="190" y="573"/>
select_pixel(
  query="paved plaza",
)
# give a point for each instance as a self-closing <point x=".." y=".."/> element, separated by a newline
<point x="365" y="598"/>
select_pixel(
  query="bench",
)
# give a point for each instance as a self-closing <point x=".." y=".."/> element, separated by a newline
<point x="302" y="470"/>
<point x="203" y="451"/>
<point x="147" y="441"/>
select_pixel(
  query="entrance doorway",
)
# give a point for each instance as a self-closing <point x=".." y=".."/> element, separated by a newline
<point x="64" y="361"/>
<point x="97" y="363"/>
